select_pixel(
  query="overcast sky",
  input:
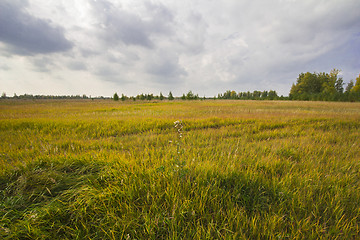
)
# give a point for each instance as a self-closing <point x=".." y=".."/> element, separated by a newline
<point x="99" y="47"/>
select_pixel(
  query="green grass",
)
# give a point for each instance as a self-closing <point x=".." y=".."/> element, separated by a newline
<point x="119" y="170"/>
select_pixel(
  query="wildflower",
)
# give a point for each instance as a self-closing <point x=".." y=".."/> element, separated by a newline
<point x="178" y="125"/>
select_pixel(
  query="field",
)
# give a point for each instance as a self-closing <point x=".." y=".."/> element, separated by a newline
<point x="83" y="169"/>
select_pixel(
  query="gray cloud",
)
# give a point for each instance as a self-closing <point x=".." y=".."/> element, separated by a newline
<point x="28" y="35"/>
<point x="4" y="67"/>
<point x="42" y="64"/>
<point x="77" y="66"/>
<point x="105" y="71"/>
<point x="117" y="25"/>
<point x="166" y="66"/>
<point x="110" y="73"/>
<point x="192" y="33"/>
<point x="88" y="52"/>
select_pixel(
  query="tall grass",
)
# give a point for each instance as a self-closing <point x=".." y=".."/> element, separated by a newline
<point x="241" y="170"/>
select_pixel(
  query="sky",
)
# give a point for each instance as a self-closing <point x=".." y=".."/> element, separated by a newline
<point x="99" y="47"/>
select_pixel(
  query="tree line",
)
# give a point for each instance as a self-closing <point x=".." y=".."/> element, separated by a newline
<point x="143" y="97"/>
<point x="256" y="95"/>
<point x="308" y="87"/>
<point x="31" y="96"/>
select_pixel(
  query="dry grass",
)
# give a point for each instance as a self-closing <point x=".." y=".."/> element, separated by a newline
<point x="119" y="170"/>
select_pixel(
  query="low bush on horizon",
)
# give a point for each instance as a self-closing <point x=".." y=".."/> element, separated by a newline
<point x="228" y="170"/>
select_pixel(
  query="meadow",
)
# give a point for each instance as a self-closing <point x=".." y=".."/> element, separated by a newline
<point x="213" y="169"/>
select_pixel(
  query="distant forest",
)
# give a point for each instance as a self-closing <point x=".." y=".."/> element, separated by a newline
<point x="308" y="87"/>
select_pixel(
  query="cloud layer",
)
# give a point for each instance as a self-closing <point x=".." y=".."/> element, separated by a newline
<point x="26" y="34"/>
<point x="98" y="47"/>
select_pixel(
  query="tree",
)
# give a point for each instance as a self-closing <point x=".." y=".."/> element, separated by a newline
<point x="264" y="94"/>
<point x="161" y="96"/>
<point x="272" y="95"/>
<point x="170" y="97"/>
<point x="339" y="85"/>
<point x="233" y="95"/>
<point x="349" y="86"/>
<point x="317" y="86"/>
<point x="309" y="83"/>
<point x="256" y="94"/>
<point x="123" y="97"/>
<point x="328" y="81"/>
<point x="356" y="88"/>
<point x="227" y="94"/>
<point x="190" y="95"/>
<point x="149" y="97"/>
<point x="141" y="96"/>
<point x="116" y="97"/>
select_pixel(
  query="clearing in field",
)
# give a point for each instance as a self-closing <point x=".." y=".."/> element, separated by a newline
<point x="179" y="170"/>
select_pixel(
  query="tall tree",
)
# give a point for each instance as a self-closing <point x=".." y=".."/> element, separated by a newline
<point x="116" y="97"/>
<point x="190" y="95"/>
<point x="349" y="86"/>
<point x="233" y="95"/>
<point x="339" y="85"/>
<point x="170" y="96"/>
<point x="272" y="95"/>
<point x="356" y="88"/>
<point x="264" y="94"/>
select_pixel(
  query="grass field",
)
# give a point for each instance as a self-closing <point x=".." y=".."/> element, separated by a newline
<point x="83" y="169"/>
